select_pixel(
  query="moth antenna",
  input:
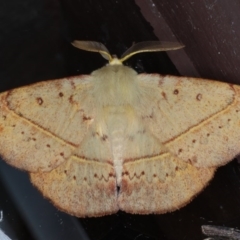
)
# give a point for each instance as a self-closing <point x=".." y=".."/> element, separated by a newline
<point x="150" y="46"/>
<point x="92" y="46"/>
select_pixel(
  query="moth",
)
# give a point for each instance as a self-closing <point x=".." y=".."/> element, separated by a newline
<point x="117" y="140"/>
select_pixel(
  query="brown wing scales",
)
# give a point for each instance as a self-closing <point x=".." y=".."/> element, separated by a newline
<point x="80" y="187"/>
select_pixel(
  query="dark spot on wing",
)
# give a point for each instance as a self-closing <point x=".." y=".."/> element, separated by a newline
<point x="193" y="160"/>
<point x="110" y="175"/>
<point x="164" y="95"/>
<point x="70" y="99"/>
<point x="125" y="173"/>
<point x="199" y="97"/>
<point x="39" y="101"/>
<point x="104" y="137"/>
<point x="86" y="118"/>
<point x="176" y="91"/>
<point x="180" y="150"/>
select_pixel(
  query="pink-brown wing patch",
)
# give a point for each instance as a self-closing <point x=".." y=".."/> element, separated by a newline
<point x="160" y="184"/>
<point x="80" y="187"/>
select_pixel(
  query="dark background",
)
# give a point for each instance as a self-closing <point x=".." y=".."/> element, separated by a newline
<point x="35" y="46"/>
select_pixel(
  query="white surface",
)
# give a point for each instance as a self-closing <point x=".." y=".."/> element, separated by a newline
<point x="3" y="236"/>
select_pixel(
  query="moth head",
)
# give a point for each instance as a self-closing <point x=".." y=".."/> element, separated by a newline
<point x="148" y="46"/>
